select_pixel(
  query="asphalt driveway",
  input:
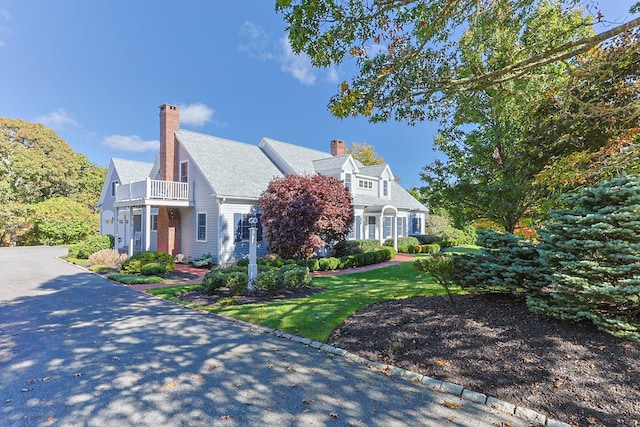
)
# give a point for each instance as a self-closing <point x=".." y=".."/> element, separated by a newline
<point x="78" y="350"/>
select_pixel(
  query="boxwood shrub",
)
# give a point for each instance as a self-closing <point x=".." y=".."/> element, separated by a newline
<point x="403" y="241"/>
<point x="153" y="269"/>
<point x="137" y="261"/>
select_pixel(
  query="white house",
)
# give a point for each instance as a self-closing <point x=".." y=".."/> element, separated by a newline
<point x="197" y="196"/>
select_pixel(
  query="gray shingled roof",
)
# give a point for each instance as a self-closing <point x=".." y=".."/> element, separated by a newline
<point x="131" y="170"/>
<point x="232" y="168"/>
<point x="400" y="198"/>
<point x="299" y="159"/>
<point x="329" y="163"/>
<point x="375" y="170"/>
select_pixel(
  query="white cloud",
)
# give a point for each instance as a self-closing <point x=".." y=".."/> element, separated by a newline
<point x="57" y="119"/>
<point x="299" y="66"/>
<point x="132" y="143"/>
<point x="258" y="44"/>
<point x="195" y="114"/>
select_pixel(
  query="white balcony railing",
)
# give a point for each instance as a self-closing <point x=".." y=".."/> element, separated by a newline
<point x="152" y="189"/>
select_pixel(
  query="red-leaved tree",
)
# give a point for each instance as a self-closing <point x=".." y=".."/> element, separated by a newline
<point x="302" y="213"/>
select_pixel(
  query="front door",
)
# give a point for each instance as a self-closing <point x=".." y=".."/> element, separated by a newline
<point x="372" y="228"/>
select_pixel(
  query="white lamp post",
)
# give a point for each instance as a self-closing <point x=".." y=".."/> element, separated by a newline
<point x="253" y="266"/>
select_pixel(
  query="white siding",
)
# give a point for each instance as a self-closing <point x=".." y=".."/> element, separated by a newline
<point x="204" y="202"/>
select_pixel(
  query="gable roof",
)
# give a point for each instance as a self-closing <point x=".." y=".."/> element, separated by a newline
<point x="232" y="168"/>
<point x="131" y="170"/>
<point x="374" y="170"/>
<point x="292" y="158"/>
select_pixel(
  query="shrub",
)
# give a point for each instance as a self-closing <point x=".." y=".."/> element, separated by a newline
<point x="93" y="244"/>
<point x="104" y="257"/>
<point x="214" y="280"/>
<point x="430" y="249"/>
<point x="366" y="245"/>
<point x="313" y="264"/>
<point x="270" y="281"/>
<point x="403" y="241"/>
<point x="427" y="239"/>
<point x="153" y="269"/>
<point x="73" y="251"/>
<point x="403" y="249"/>
<point x="592" y="250"/>
<point x="440" y="267"/>
<point x="133" y="264"/>
<point x="505" y="261"/>
<point x="237" y="282"/>
<point x="290" y="262"/>
<point x="296" y="277"/>
<point x="333" y="263"/>
<point x="242" y="262"/>
<point x="204" y="260"/>
<point x="323" y="264"/>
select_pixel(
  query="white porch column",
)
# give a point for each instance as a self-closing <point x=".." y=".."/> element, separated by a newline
<point x="116" y="228"/>
<point x="130" y="230"/>
<point x="381" y="229"/>
<point x="147" y="227"/>
<point x="394" y="231"/>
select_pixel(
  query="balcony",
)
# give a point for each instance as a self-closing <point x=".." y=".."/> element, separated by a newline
<point x="153" y="192"/>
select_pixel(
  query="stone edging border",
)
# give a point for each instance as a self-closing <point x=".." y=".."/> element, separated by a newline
<point x="526" y="414"/>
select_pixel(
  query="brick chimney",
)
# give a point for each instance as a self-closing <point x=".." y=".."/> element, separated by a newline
<point x="169" y="123"/>
<point x="337" y="147"/>
<point x="169" y="223"/>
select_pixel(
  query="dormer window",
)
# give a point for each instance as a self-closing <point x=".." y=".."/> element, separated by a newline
<point x="113" y="188"/>
<point x="385" y="188"/>
<point x="365" y="184"/>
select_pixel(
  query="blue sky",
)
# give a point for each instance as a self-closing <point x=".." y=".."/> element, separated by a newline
<point x="97" y="72"/>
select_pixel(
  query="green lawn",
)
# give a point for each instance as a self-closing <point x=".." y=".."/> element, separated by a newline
<point x="318" y="315"/>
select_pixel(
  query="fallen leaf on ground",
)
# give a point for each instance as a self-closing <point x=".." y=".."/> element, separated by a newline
<point x="451" y="405"/>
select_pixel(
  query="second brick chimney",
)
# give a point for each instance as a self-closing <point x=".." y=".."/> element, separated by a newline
<point x="169" y="124"/>
<point x="337" y="147"/>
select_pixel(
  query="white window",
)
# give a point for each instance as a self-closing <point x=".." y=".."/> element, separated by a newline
<point x="113" y="188"/>
<point x="365" y="184"/>
<point x="184" y="172"/>
<point x="385" y="188"/>
<point x="154" y="222"/>
<point x="347" y="181"/>
<point x="388" y="227"/>
<point x="201" y="230"/>
<point x="243" y="225"/>
<point x="402" y="226"/>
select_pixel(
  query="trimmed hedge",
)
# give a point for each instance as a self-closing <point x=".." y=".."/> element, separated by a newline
<point x="273" y="280"/>
<point x="403" y="241"/>
<point x="134" y="264"/>
<point x="153" y="269"/>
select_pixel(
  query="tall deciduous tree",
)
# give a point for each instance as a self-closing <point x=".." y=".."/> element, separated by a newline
<point x="35" y="166"/>
<point x="492" y="158"/>
<point x="365" y="153"/>
<point x="407" y="52"/>
<point x="302" y="213"/>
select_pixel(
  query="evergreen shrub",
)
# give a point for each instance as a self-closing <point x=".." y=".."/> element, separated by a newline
<point x="153" y="269"/>
<point x="135" y="263"/>
<point x="592" y="250"/>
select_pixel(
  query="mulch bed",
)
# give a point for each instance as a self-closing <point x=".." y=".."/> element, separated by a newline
<point x="201" y="298"/>
<point x="492" y="344"/>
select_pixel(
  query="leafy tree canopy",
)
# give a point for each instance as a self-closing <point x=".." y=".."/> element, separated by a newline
<point x="302" y="213"/>
<point x="35" y="166"/>
<point x="365" y="153"/>
<point x="408" y="52"/>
